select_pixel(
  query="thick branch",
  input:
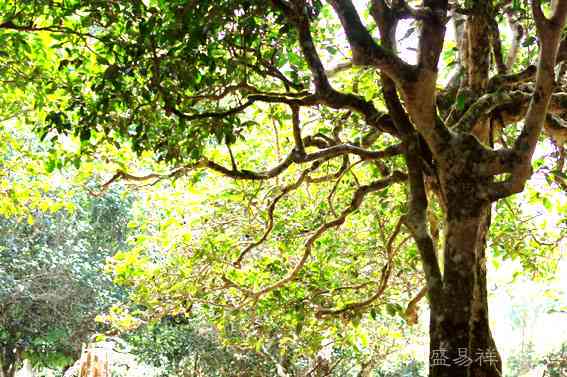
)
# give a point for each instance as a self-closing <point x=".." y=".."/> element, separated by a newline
<point x="506" y="80"/>
<point x="479" y="111"/>
<point x="416" y="221"/>
<point x="549" y="32"/>
<point x="325" y="93"/>
<point x="416" y="218"/>
<point x="365" y="51"/>
<point x="432" y="35"/>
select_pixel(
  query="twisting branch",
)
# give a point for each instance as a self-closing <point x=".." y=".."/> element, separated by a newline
<point x="191" y="117"/>
<point x="344" y="166"/>
<point x="549" y="32"/>
<point x="341" y="149"/>
<point x="507" y="80"/>
<point x="357" y="200"/>
<point x="479" y="111"/>
<point x="336" y="185"/>
<point x="365" y="51"/>
<point x="384" y="277"/>
<point x="154" y="177"/>
<point x="325" y="93"/>
<point x="416" y="220"/>
<point x="292" y="157"/>
<point x="324" y="154"/>
<point x="295" y="157"/>
<point x="286" y="190"/>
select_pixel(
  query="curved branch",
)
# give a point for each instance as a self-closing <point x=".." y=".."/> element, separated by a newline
<point x="292" y="157"/>
<point x="497" y="46"/>
<point x="479" y="110"/>
<point x="325" y="93"/>
<point x="549" y="32"/>
<point x="517" y="35"/>
<point x="286" y="190"/>
<point x="507" y="80"/>
<point x="336" y="185"/>
<point x="411" y="310"/>
<point x="365" y="154"/>
<point x="365" y="51"/>
<point x="357" y="200"/>
<point x="416" y="221"/>
<point x="384" y="277"/>
<point x="335" y="175"/>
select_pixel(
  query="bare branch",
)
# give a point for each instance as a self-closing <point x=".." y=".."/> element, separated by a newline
<point x="343" y="168"/>
<point x="497" y="46"/>
<point x="292" y="157"/>
<point x="341" y="149"/>
<point x="517" y="35"/>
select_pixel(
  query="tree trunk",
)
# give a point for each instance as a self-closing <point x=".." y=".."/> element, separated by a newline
<point x="8" y="370"/>
<point x="9" y="359"/>
<point x="461" y="342"/>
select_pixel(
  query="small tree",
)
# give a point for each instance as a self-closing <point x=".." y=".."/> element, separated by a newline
<point x="52" y="283"/>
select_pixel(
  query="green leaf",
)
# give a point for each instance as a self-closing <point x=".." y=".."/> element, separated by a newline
<point x="461" y="102"/>
<point x="547" y="203"/>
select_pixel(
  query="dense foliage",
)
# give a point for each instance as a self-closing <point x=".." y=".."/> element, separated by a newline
<point x="324" y="172"/>
<point x="51" y="272"/>
<point x="190" y="347"/>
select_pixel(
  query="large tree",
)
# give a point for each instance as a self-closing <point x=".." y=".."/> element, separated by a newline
<point x="178" y="77"/>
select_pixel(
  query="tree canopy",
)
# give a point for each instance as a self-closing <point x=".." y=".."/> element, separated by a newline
<point x="328" y="159"/>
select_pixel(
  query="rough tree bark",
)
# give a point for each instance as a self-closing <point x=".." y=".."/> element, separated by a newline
<point x="461" y="343"/>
